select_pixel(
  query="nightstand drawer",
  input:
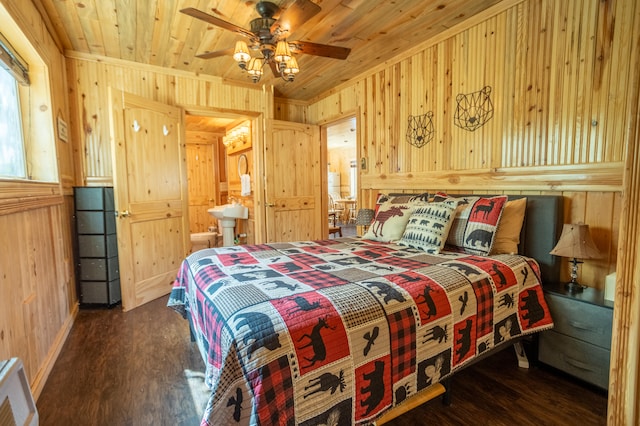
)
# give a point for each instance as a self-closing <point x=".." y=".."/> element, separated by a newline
<point x="584" y="321"/>
<point x="580" y="359"/>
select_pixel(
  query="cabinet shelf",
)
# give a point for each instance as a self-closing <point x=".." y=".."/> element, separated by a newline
<point x="580" y="342"/>
<point x="97" y="260"/>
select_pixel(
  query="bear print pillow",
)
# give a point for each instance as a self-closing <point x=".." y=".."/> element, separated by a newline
<point x="474" y="226"/>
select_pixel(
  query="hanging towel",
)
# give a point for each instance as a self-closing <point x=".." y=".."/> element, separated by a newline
<point x="245" y="182"/>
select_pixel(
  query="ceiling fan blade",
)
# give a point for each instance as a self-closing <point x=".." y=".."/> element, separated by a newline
<point x="215" y="54"/>
<point x="299" y="12"/>
<point x="198" y="14"/>
<point x="335" y="52"/>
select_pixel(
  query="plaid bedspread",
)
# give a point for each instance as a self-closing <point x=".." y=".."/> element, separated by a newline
<point x="338" y="331"/>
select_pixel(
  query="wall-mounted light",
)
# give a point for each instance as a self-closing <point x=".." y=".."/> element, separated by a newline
<point x="237" y="135"/>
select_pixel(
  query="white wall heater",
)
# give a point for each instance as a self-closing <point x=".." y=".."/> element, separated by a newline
<point x="17" y="407"/>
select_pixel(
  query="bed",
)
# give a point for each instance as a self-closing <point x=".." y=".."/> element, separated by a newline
<point x="345" y="331"/>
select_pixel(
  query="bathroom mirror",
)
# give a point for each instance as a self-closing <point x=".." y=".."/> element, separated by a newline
<point x="243" y="165"/>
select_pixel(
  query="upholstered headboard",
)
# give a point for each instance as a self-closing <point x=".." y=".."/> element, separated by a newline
<point x="542" y="226"/>
<point x="540" y="232"/>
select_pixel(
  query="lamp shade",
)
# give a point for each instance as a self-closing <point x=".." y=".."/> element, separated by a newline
<point x="576" y="242"/>
<point x="290" y="69"/>
<point x="364" y="217"/>
<point x="241" y="52"/>
<point x="255" y="69"/>
<point x="283" y="53"/>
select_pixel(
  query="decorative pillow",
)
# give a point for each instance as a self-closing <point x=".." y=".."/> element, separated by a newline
<point x="474" y="226"/>
<point x="508" y="232"/>
<point x="389" y="222"/>
<point x="412" y="199"/>
<point x="429" y="226"/>
<point x="403" y="198"/>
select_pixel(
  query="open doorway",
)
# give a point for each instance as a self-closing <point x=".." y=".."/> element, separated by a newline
<point x="342" y="170"/>
<point x="211" y="179"/>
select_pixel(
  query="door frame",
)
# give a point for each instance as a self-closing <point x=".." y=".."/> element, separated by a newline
<point x="257" y="135"/>
<point x="324" y="124"/>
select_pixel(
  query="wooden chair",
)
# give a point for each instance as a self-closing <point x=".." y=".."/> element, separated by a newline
<point x="336" y="208"/>
<point x="334" y="228"/>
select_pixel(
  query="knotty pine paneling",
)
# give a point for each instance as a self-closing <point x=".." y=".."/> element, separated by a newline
<point x="203" y="183"/>
<point x="39" y="297"/>
<point x="549" y="67"/>
<point x="90" y="77"/>
<point x="530" y="56"/>
<point x="560" y="75"/>
<point x="290" y="110"/>
<point x="339" y="160"/>
<point x="37" y="283"/>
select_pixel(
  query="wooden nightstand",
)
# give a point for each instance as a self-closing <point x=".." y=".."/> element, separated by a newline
<point x="580" y="342"/>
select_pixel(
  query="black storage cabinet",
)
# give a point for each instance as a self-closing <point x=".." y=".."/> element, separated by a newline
<point x="97" y="262"/>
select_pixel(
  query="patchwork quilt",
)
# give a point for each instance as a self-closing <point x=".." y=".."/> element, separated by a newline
<point x="338" y="331"/>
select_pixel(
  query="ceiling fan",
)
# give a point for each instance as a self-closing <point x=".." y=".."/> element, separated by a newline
<point x="268" y="35"/>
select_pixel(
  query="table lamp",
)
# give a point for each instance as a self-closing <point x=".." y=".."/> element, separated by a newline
<point x="364" y="218"/>
<point x="575" y="242"/>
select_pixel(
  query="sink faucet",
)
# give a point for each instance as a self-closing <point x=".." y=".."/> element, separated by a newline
<point x="232" y="200"/>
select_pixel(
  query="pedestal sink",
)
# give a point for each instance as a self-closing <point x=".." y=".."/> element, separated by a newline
<point x="227" y="215"/>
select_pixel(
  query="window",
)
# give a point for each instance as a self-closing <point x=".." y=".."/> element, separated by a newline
<point x="12" y="156"/>
<point x="27" y="134"/>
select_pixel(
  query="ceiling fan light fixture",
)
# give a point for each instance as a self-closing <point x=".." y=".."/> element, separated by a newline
<point x="255" y="69"/>
<point x="241" y="54"/>
<point x="267" y="36"/>
<point x="290" y="69"/>
<point x="283" y="52"/>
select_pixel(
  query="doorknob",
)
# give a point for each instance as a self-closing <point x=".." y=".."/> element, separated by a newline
<point x="270" y="205"/>
<point x="124" y="213"/>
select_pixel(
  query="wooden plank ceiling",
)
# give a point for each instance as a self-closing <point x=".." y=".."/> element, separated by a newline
<point x="155" y="32"/>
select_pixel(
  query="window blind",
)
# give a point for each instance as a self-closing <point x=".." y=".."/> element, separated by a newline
<point x="12" y="62"/>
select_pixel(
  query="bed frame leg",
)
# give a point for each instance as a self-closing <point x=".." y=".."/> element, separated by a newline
<point x="523" y="361"/>
<point x="446" y="397"/>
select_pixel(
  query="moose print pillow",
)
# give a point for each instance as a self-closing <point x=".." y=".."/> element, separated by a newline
<point x="389" y="223"/>
<point x="474" y="227"/>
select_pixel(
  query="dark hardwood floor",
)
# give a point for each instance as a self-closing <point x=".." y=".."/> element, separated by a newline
<point x="139" y="368"/>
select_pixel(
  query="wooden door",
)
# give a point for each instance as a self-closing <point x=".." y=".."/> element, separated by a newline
<point x="202" y="178"/>
<point x="293" y="182"/>
<point x="150" y="190"/>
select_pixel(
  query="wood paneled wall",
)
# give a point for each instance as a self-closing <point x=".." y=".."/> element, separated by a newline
<point x="563" y="84"/>
<point x="564" y="79"/>
<point x="339" y="160"/>
<point x="38" y="296"/>
<point x="289" y="110"/>
<point x="202" y="175"/>
<point x="90" y="79"/>
<point x="559" y="74"/>
<point x="91" y="76"/>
